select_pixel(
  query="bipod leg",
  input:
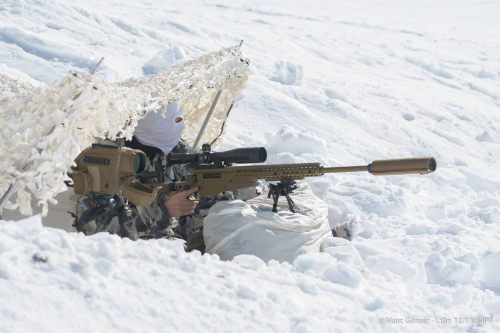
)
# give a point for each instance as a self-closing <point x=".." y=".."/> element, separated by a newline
<point x="127" y="221"/>
<point x="291" y="204"/>
<point x="104" y="224"/>
<point x="275" y="191"/>
<point x="287" y="187"/>
<point x="276" y="197"/>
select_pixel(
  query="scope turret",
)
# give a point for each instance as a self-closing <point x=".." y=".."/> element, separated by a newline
<point x="239" y="155"/>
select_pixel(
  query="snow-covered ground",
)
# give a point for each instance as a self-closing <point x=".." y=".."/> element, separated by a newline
<point x="341" y="83"/>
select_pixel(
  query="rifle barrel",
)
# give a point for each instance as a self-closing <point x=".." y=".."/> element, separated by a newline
<point x="359" y="168"/>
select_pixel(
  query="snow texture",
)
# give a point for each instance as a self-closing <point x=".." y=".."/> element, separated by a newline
<point x="340" y="83"/>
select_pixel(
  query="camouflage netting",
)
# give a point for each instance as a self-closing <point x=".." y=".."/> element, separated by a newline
<point x="42" y="129"/>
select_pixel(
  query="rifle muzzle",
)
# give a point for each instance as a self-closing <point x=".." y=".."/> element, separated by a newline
<point x="403" y="166"/>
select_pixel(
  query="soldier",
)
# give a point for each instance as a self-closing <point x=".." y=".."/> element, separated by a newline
<point x="172" y="216"/>
<point x="158" y="134"/>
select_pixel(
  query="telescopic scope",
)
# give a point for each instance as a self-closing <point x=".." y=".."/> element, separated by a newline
<point x="239" y="155"/>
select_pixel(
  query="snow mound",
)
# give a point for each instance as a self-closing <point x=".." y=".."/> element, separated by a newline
<point x="289" y="143"/>
<point x="288" y="73"/>
<point x="159" y="285"/>
<point x="166" y="58"/>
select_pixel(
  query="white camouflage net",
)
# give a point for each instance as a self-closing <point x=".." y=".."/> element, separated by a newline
<point x="43" y="129"/>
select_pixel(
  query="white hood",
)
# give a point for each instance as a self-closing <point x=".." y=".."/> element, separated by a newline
<point x="159" y="129"/>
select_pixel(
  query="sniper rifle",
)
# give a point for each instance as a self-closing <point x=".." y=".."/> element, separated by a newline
<point x="116" y="171"/>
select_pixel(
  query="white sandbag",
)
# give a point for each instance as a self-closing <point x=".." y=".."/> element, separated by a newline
<point x="235" y="227"/>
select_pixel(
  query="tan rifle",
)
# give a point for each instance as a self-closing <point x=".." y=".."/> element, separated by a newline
<point x="114" y="170"/>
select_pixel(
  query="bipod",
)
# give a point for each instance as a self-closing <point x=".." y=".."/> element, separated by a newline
<point x="284" y="187"/>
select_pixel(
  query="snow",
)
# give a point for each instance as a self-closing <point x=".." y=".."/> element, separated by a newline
<point x="166" y="58"/>
<point x="340" y="83"/>
<point x="288" y="73"/>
